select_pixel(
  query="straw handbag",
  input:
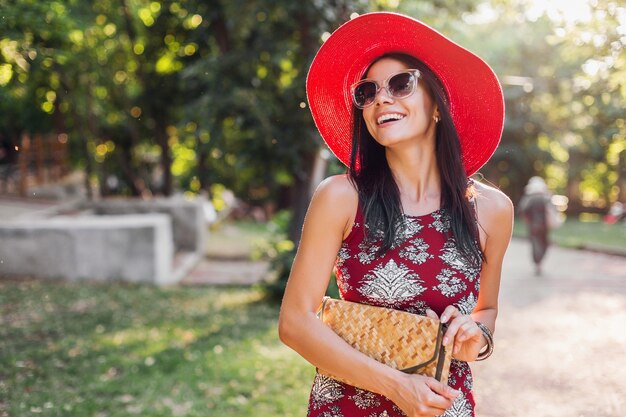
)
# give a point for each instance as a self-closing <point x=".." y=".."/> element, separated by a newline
<point x="405" y="341"/>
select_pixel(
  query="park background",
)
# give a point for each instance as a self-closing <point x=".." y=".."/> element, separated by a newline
<point x="206" y="100"/>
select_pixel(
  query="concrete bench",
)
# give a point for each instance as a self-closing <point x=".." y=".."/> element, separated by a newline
<point x="188" y="218"/>
<point x="135" y="248"/>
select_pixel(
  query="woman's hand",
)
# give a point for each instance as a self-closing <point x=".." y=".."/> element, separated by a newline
<point x="421" y="396"/>
<point x="463" y="334"/>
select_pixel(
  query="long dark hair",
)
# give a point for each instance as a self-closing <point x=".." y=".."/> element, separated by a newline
<point x="379" y="195"/>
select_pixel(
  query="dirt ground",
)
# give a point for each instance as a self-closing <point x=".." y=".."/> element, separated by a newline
<point x="560" y="343"/>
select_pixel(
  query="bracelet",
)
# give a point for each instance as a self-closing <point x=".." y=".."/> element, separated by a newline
<point x="485" y="353"/>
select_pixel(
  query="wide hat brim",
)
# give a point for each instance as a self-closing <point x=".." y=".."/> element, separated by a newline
<point x="475" y="96"/>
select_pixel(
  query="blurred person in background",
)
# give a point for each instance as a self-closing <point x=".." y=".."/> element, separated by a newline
<point x="616" y="213"/>
<point x="540" y="216"/>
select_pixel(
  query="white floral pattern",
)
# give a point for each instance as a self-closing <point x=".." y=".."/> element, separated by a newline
<point x="383" y="414"/>
<point x="467" y="304"/>
<point x="368" y="252"/>
<point x="365" y="399"/>
<point x="469" y="380"/>
<point x="460" y="408"/>
<point x="343" y="255"/>
<point x="325" y="390"/>
<point x="418" y="307"/>
<point x="334" y="412"/>
<point x="412" y="226"/>
<point x="441" y="222"/>
<point x="343" y="277"/>
<point x="391" y="284"/>
<point x="449" y="284"/>
<point x="451" y="256"/>
<point x="416" y="252"/>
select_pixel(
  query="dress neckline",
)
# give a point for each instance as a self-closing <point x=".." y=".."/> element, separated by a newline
<point x="415" y="216"/>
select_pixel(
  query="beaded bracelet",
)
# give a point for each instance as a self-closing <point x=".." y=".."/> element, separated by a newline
<point x="484" y="354"/>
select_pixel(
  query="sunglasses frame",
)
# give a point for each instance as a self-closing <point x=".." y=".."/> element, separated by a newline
<point x="415" y="73"/>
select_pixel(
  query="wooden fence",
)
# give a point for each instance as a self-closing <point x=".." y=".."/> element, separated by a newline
<point x="41" y="159"/>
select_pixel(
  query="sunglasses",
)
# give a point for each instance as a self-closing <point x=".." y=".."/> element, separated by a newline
<point x="399" y="85"/>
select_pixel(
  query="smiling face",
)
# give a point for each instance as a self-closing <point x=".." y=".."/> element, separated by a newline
<point x="393" y="121"/>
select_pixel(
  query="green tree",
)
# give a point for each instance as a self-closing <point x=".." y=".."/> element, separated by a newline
<point x="563" y="81"/>
<point x="188" y="94"/>
<point x="248" y="98"/>
<point x="108" y="73"/>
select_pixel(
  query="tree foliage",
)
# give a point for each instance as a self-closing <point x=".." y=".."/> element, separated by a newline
<point x="163" y="95"/>
<point x="564" y="79"/>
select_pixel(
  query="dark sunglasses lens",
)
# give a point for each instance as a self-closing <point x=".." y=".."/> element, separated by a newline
<point x="365" y="93"/>
<point x="401" y="85"/>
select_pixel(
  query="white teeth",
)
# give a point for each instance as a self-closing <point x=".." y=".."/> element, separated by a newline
<point x="389" y="116"/>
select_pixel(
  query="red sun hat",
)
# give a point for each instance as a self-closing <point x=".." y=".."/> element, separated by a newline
<point x="475" y="96"/>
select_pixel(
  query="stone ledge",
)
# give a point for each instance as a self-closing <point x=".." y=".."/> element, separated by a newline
<point x="188" y="222"/>
<point x="134" y="248"/>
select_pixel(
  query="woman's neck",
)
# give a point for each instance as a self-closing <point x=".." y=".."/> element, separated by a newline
<point x="416" y="172"/>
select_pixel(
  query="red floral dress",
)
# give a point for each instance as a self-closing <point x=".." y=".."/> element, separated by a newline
<point x="422" y="270"/>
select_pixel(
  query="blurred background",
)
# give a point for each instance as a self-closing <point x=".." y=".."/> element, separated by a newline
<point x="205" y="101"/>
<point x="147" y="98"/>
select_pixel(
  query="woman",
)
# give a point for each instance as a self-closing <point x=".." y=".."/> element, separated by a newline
<point x="534" y="207"/>
<point x="404" y="228"/>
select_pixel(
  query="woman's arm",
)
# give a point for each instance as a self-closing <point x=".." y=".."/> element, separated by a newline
<point x="328" y="221"/>
<point x="495" y="219"/>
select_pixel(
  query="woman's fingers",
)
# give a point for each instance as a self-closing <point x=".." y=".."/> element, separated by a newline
<point x="462" y="335"/>
<point x="456" y="328"/>
<point x="436" y="404"/>
<point x="441" y="397"/>
<point x="461" y="327"/>
<point x="431" y="314"/>
<point x="425" y="396"/>
<point x="467" y="331"/>
<point x="449" y="313"/>
<point x="442" y="389"/>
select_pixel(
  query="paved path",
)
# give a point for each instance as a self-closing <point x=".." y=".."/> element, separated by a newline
<point x="561" y="338"/>
<point x="213" y="271"/>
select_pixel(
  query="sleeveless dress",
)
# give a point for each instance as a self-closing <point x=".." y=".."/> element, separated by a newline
<point x="422" y="270"/>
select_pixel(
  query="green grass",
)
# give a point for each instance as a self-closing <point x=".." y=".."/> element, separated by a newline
<point x="579" y="234"/>
<point x="80" y="349"/>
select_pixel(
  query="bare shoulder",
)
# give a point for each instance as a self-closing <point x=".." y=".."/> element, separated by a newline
<point x="494" y="210"/>
<point x="492" y="202"/>
<point x="337" y="187"/>
<point x="336" y="200"/>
